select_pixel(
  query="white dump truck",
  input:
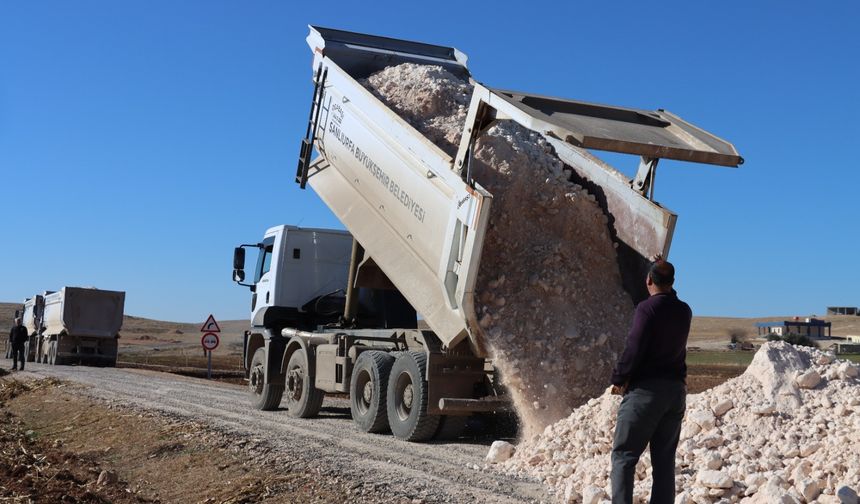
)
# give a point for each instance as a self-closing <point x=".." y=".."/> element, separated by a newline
<point x="337" y="312"/>
<point x="75" y="325"/>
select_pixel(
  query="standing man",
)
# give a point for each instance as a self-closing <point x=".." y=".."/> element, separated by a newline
<point x="18" y="338"/>
<point x="651" y="375"/>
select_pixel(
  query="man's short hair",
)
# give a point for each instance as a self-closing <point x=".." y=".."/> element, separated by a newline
<point x="662" y="273"/>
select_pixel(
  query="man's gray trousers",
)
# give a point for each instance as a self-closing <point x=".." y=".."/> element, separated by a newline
<point x="651" y="412"/>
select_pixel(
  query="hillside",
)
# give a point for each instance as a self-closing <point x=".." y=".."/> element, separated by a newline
<point x="138" y="330"/>
<point x="144" y="332"/>
<point x="718" y="330"/>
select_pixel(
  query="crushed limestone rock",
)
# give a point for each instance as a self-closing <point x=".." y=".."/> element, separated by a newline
<point x="500" y="451"/>
<point x="433" y="100"/>
<point x="808" y="451"/>
<point x="549" y="293"/>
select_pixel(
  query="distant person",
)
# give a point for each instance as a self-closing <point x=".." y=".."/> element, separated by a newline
<point x="18" y="338"/>
<point x="651" y="375"/>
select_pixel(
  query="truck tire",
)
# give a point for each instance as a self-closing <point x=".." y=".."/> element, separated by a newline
<point x="57" y="360"/>
<point x="368" y="391"/>
<point x="264" y="397"/>
<point x="303" y="400"/>
<point x="407" y="399"/>
<point x="52" y="352"/>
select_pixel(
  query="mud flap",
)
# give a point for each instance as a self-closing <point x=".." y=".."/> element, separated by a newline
<point x="275" y="348"/>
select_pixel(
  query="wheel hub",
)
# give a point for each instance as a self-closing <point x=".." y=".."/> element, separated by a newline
<point x="294" y="383"/>
<point x="367" y="393"/>
<point x="408" y="395"/>
<point x="255" y="380"/>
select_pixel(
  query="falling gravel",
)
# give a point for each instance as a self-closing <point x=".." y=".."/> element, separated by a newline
<point x="549" y="294"/>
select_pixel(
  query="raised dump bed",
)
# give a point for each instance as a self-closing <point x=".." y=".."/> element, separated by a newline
<point x="421" y="217"/>
<point x="420" y="214"/>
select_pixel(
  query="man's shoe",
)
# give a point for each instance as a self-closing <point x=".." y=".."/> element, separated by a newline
<point x="14" y="369"/>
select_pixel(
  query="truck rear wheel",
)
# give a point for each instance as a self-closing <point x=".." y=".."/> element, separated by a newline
<point x="407" y="399"/>
<point x="57" y="360"/>
<point x="263" y="396"/>
<point x="52" y="352"/>
<point x="303" y="399"/>
<point x="30" y="355"/>
<point x="367" y="391"/>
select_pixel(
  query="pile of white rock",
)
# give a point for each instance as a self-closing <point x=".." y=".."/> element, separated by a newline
<point x="786" y="431"/>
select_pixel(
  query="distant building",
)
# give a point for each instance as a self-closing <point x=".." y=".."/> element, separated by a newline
<point x="811" y="327"/>
<point x="843" y="310"/>
<point x="852" y="338"/>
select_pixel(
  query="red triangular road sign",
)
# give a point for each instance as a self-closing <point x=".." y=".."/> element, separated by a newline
<point x="210" y="325"/>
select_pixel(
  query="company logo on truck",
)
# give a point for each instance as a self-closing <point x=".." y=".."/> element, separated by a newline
<point x="336" y="112"/>
<point x="375" y="170"/>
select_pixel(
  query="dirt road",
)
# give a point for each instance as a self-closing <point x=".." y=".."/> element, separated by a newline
<point x="392" y="470"/>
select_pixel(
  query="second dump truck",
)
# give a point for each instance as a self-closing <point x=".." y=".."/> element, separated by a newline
<point x="337" y="311"/>
<point x="74" y="325"/>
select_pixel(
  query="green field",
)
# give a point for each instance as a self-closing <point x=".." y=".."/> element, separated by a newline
<point x="720" y="358"/>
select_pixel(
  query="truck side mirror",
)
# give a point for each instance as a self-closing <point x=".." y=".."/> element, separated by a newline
<point x="238" y="258"/>
<point x="238" y="275"/>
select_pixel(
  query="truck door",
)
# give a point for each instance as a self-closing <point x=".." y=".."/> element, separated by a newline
<point x="263" y="278"/>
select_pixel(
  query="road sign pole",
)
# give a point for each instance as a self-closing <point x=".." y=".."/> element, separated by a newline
<point x="209" y="341"/>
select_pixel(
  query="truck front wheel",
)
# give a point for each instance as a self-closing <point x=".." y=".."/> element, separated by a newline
<point x="263" y="396"/>
<point x="407" y="399"/>
<point x="303" y="399"/>
<point x="368" y="390"/>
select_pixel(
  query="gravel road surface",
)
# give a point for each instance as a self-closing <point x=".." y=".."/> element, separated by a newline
<point x="381" y="467"/>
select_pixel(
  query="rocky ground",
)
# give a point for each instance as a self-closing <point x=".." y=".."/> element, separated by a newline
<point x="33" y="469"/>
<point x="785" y="431"/>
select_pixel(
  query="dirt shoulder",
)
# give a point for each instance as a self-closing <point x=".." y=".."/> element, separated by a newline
<point x="56" y="445"/>
<point x="36" y="469"/>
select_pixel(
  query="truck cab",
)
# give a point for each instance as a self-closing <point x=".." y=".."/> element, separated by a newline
<point x="300" y="280"/>
<point x="299" y="277"/>
<point x="31" y="314"/>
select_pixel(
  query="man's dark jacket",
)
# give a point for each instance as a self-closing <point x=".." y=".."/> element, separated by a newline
<point x="18" y="335"/>
<point x="657" y="343"/>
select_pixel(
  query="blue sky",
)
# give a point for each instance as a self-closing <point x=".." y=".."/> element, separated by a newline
<point x="141" y="141"/>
